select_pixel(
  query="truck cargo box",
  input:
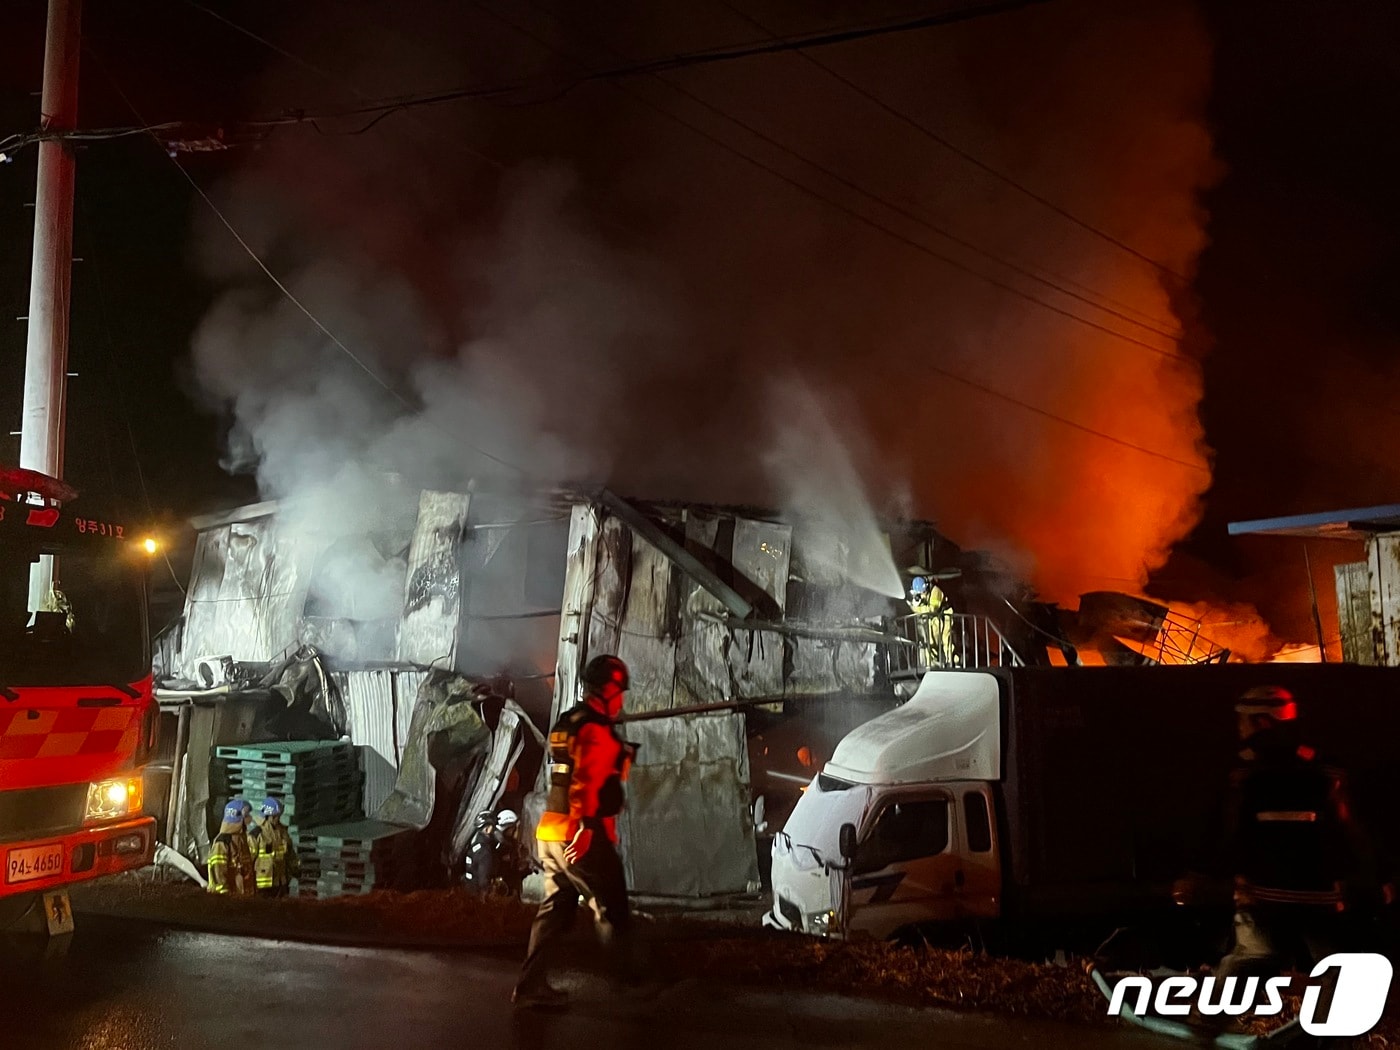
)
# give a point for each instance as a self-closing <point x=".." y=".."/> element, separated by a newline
<point x="1115" y="777"/>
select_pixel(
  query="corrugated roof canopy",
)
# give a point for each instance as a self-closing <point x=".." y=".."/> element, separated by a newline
<point x="1359" y="524"/>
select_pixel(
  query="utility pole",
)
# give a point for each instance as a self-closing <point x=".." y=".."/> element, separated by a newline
<point x="46" y="355"/>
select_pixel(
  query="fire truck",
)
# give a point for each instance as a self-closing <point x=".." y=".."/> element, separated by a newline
<point x="78" y="720"/>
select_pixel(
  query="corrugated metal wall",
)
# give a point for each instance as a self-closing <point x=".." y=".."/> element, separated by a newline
<point x="369" y="706"/>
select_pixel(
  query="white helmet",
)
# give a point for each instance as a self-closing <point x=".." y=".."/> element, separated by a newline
<point x="507" y="818"/>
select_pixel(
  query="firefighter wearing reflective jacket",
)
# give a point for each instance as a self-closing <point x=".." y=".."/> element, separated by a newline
<point x="576" y="835"/>
<point x="1296" y="850"/>
<point x="230" y="862"/>
<point x="274" y="858"/>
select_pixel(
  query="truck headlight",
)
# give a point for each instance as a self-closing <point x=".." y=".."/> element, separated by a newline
<point x="819" y="922"/>
<point x="110" y="799"/>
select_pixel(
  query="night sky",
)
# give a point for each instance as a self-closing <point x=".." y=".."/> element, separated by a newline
<point x="723" y="273"/>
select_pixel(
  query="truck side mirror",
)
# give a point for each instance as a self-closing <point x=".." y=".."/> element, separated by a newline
<point x="847" y="841"/>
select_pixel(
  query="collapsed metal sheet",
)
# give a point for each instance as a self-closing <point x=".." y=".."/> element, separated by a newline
<point x="443" y="705"/>
<point x="647" y="634"/>
<point x="406" y="686"/>
<point x="506" y="745"/>
<point x="247" y="589"/>
<point x="369" y="704"/>
<point x="432" y="597"/>
<point x="687" y="829"/>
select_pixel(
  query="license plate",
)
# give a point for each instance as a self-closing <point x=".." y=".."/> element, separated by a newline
<point x="34" y="862"/>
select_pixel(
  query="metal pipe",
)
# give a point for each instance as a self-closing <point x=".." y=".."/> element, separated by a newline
<point x="731" y="705"/>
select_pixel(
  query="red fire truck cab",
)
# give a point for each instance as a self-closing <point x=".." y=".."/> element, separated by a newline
<point x="77" y="717"/>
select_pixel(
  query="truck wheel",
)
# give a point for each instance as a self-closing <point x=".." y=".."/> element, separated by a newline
<point x="13" y="911"/>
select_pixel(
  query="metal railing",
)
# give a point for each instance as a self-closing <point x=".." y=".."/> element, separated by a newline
<point x="1180" y="642"/>
<point x="922" y="642"/>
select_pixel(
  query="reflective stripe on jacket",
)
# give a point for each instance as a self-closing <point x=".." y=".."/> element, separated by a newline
<point x="274" y="859"/>
<point x="598" y="758"/>
<point x="230" y="864"/>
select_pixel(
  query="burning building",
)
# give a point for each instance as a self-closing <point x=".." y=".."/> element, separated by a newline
<point x="708" y="605"/>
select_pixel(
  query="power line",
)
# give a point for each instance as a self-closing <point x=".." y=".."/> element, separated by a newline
<point x="683" y="60"/>
<point x="291" y="297"/>
<point x="115" y="372"/>
<point x="382" y="111"/>
<point x="861" y="217"/>
<point x="914" y="217"/>
<point x="957" y="150"/>
<point x="972" y="159"/>
<point x="947" y="373"/>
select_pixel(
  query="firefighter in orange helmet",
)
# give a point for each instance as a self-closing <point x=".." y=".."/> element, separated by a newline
<point x="576" y="838"/>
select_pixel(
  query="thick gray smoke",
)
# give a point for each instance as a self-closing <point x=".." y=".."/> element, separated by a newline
<point x="619" y="299"/>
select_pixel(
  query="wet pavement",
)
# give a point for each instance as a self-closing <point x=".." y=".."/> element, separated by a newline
<point x="132" y="986"/>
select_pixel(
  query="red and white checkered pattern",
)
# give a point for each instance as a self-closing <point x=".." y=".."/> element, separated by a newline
<point x="63" y="732"/>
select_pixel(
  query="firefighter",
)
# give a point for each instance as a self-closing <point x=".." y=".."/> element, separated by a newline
<point x="230" y="862"/>
<point x="577" y="833"/>
<point x="933" y="626"/>
<point x="1292" y="840"/>
<point x="274" y="858"/>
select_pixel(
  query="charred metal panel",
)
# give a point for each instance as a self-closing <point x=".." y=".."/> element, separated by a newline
<point x="1383" y="558"/>
<point x="1354" y="612"/>
<point x="762" y="552"/>
<point x="612" y="577"/>
<point x="247" y="588"/>
<point x="687" y="830"/>
<point x="822" y="665"/>
<point x="432" y="596"/>
<point x="761" y="555"/>
<point x="702" y="652"/>
<point x="647" y="638"/>
<point x="580" y="579"/>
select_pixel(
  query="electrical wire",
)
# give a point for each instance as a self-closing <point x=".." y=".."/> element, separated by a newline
<point x="120" y="387"/>
<point x="808" y="191"/>
<point x="290" y="295"/>
<point x="967" y="156"/>
<point x="801" y="187"/>
<point x="380" y="109"/>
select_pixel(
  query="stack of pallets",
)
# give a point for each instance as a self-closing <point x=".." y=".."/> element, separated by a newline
<point x="318" y="782"/>
<point x="349" y="859"/>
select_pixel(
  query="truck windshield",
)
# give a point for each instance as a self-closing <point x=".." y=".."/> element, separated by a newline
<point x="92" y="632"/>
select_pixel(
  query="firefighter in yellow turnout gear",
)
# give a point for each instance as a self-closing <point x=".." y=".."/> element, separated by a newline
<point x="275" y="860"/>
<point x="933" y="625"/>
<point x="230" y="862"/>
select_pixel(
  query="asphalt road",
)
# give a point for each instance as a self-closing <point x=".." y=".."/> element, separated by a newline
<point x="129" y="986"/>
